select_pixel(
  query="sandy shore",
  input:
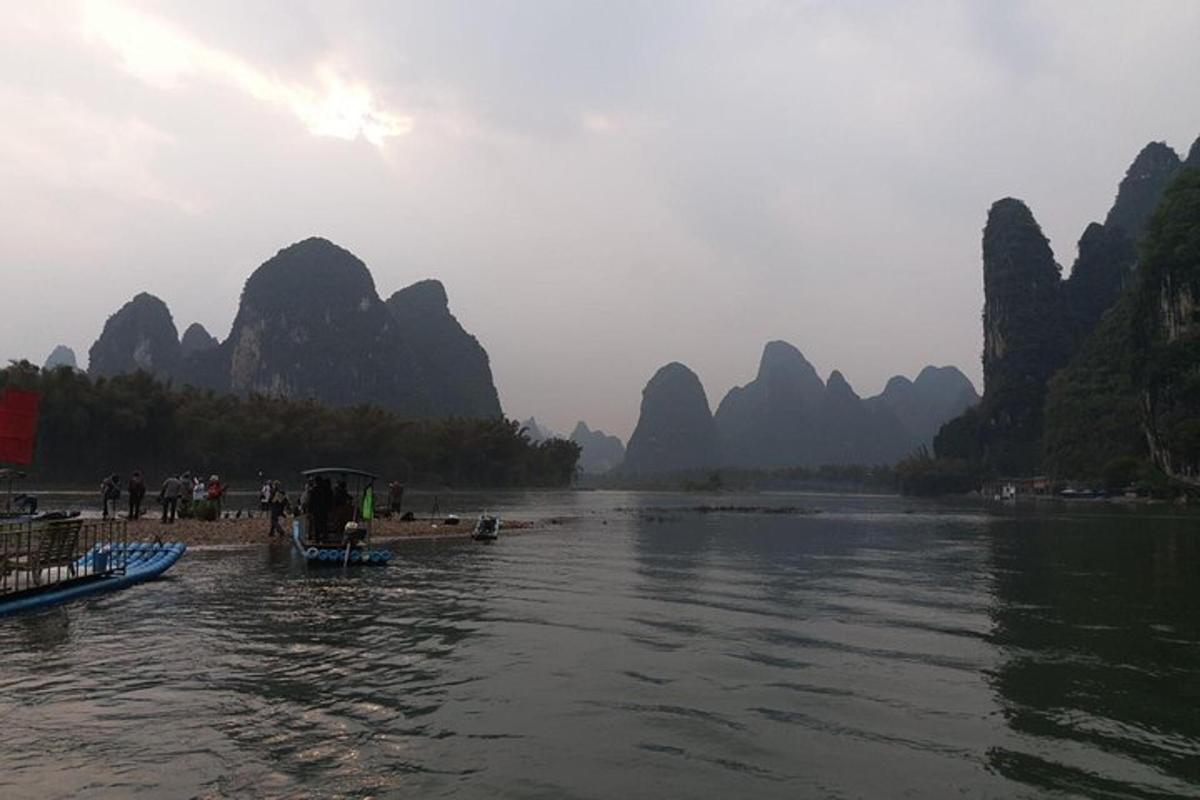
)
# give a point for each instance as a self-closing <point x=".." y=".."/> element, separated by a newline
<point x="254" y="531"/>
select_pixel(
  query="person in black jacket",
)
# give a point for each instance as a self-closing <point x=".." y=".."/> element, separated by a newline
<point x="137" y="490"/>
<point x="110" y="493"/>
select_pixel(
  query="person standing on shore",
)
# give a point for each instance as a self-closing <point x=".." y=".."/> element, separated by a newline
<point x="171" y="489"/>
<point x="137" y="490"/>
<point x="185" y="496"/>
<point x="110" y="493"/>
<point x="279" y="505"/>
<point x="215" y="492"/>
<point x="396" y="497"/>
<point x="265" y="494"/>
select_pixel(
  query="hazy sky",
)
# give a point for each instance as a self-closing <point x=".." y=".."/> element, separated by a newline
<point x="603" y="187"/>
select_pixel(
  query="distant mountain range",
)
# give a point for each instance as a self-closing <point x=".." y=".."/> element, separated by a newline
<point x="311" y="324"/>
<point x="536" y="432"/>
<point x="600" y="452"/>
<point x="787" y="416"/>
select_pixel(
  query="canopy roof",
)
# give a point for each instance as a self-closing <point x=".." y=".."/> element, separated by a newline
<point x="338" y="471"/>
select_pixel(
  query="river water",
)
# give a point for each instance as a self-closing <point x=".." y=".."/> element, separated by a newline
<point x="879" y="648"/>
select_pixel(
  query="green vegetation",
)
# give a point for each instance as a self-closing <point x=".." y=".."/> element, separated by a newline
<point x="90" y="428"/>
<point x="1125" y="409"/>
<point x="1093" y="414"/>
<point x="1167" y="330"/>
<point x="923" y="475"/>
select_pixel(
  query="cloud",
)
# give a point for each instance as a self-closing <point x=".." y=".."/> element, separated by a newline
<point x="162" y="55"/>
<point x="603" y="186"/>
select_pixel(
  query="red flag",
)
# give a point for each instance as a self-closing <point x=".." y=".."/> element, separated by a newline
<point x="18" y="425"/>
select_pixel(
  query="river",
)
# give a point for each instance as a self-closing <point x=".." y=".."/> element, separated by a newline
<point x="869" y="647"/>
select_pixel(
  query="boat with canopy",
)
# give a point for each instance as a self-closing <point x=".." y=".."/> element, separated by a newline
<point x="337" y="511"/>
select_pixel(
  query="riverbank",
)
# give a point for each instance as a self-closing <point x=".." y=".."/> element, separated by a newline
<point x="254" y="530"/>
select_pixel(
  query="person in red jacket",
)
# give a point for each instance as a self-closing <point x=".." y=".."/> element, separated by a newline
<point x="216" y="490"/>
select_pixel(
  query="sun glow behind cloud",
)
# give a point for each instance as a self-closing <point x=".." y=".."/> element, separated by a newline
<point x="162" y="55"/>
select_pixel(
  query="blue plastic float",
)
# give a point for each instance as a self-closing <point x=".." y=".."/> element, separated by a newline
<point x="143" y="561"/>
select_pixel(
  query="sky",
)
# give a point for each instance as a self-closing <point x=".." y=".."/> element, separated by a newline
<point x="603" y="187"/>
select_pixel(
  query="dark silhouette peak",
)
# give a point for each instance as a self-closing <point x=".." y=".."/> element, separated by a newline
<point x="197" y="340"/>
<point x="311" y="325"/>
<point x="428" y="294"/>
<point x="535" y="431"/>
<point x="1028" y="332"/>
<point x="1193" y="156"/>
<point x="146" y="306"/>
<point x="313" y="244"/>
<point x="1142" y="188"/>
<point x="780" y="353"/>
<point x="60" y="356"/>
<point x="1010" y="209"/>
<point x="147" y="301"/>
<point x="674" y="371"/>
<point x="314" y="269"/>
<point x="932" y="373"/>
<point x="455" y="365"/>
<point x="838" y="387"/>
<point x="1092" y="234"/>
<point x="1014" y="245"/>
<point x="1153" y="156"/>
<point x="943" y="377"/>
<point x="599" y="452"/>
<point x="1108" y="254"/>
<point x="922" y="406"/>
<point x="675" y="429"/>
<point x="140" y="336"/>
<point x="782" y="360"/>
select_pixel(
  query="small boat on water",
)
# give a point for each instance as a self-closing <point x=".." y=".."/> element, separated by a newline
<point x="487" y="528"/>
<point x="51" y="562"/>
<point x="333" y="528"/>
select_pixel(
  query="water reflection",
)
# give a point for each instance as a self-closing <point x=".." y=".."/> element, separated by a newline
<point x="1100" y="675"/>
<point x="860" y="652"/>
<point x="45" y="630"/>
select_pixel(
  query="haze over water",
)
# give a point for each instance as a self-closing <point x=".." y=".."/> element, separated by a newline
<point x="879" y="648"/>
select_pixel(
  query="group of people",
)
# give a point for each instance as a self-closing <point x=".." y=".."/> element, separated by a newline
<point x="328" y="505"/>
<point x="110" y="494"/>
<point x="178" y="493"/>
<point x="182" y="493"/>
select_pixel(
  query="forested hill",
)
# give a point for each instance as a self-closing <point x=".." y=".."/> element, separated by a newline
<point x="1094" y="378"/>
<point x="94" y="427"/>
<point x="310" y="324"/>
<point x="1130" y="400"/>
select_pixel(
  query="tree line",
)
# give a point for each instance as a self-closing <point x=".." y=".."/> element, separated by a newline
<point x="91" y="428"/>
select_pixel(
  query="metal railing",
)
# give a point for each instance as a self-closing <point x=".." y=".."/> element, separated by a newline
<point x="40" y="555"/>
